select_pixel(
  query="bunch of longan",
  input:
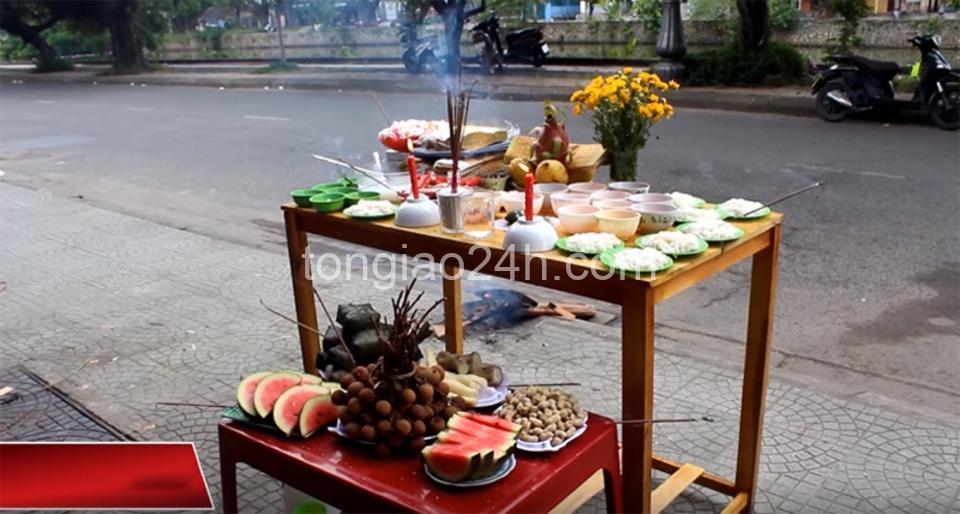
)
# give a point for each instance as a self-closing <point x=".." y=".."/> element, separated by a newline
<point x="394" y="413"/>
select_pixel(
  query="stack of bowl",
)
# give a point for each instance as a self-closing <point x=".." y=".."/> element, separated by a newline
<point x="657" y="211"/>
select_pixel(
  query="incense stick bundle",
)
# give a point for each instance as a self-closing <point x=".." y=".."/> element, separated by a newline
<point x="458" y="106"/>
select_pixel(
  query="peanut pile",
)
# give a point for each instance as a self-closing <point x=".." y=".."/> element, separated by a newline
<point x="544" y="414"/>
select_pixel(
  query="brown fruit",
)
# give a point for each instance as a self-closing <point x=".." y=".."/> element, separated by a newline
<point x="419" y="427"/>
<point x="429" y="412"/>
<point x="339" y="397"/>
<point x="384" y="408"/>
<point x="426" y="393"/>
<point x="354" y="406"/>
<point x="394" y="440"/>
<point x="354" y="389"/>
<point x="383" y="450"/>
<point x="362" y="374"/>
<point x="416" y="444"/>
<point x="443" y="388"/>
<point x="368" y="433"/>
<point x="367" y="395"/>
<point x="458" y="402"/>
<point x="384" y="426"/>
<point x="408" y="396"/>
<point x="346" y="380"/>
<point x="403" y="427"/>
<point x="345" y="416"/>
<point x="352" y="430"/>
<point x="449" y="411"/>
<point x="437" y="425"/>
<point x="417" y="412"/>
<point x="435" y="376"/>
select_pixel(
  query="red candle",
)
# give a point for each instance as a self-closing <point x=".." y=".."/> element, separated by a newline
<point x="414" y="183"/>
<point x="528" y="197"/>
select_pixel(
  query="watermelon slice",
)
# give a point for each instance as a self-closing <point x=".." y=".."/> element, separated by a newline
<point x="492" y="421"/>
<point x="469" y="426"/>
<point x="483" y="440"/>
<point x="246" y="389"/>
<point x="317" y="412"/>
<point x="310" y="379"/>
<point x="451" y="462"/>
<point x="270" y="388"/>
<point x="286" y="411"/>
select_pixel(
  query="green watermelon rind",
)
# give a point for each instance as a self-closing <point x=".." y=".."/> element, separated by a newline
<point x="439" y="459"/>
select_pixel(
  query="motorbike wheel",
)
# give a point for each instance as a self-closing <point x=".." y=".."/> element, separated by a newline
<point x="433" y="62"/>
<point x="410" y="61"/>
<point x="944" y="108"/>
<point x="828" y="109"/>
<point x="486" y="60"/>
<point x="538" y="59"/>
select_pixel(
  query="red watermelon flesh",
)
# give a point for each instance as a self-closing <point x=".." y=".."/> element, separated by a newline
<point x="493" y="421"/>
<point x="246" y="389"/>
<point x="479" y="441"/>
<point x="451" y="462"/>
<point x="286" y="411"/>
<point x="270" y="388"/>
<point x="467" y="425"/>
<point x="317" y="412"/>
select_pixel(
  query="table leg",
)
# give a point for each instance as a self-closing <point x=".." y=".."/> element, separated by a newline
<point x="228" y="478"/>
<point x="637" y="384"/>
<point x="763" y="287"/>
<point x="452" y="308"/>
<point x="302" y="291"/>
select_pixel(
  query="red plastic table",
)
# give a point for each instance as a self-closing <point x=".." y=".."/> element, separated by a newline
<point x="353" y="479"/>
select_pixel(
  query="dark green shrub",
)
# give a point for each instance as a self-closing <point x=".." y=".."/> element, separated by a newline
<point x="850" y="13"/>
<point x="777" y="64"/>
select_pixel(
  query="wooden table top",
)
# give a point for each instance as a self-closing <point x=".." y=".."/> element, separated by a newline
<point x="546" y="267"/>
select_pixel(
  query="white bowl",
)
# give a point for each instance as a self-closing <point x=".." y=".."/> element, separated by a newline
<point x="655" y="217"/>
<point x="530" y="236"/>
<point x="578" y="218"/>
<point x="651" y="198"/>
<point x="586" y="187"/>
<point x="608" y="195"/>
<point x="548" y="189"/>
<point x="630" y="187"/>
<point x="514" y="200"/>
<point x="421" y="212"/>
<point x="561" y="200"/>
<point x="619" y="222"/>
<point x="613" y="204"/>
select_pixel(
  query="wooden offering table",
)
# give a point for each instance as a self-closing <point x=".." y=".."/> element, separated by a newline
<point x="637" y="296"/>
<point x="350" y="477"/>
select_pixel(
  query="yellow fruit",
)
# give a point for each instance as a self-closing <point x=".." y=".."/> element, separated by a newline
<point x="551" y="171"/>
<point x="518" y="168"/>
<point x="584" y="174"/>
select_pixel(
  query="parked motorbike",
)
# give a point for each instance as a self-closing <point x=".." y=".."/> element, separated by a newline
<point x="419" y="53"/>
<point x="523" y="46"/>
<point x="857" y="84"/>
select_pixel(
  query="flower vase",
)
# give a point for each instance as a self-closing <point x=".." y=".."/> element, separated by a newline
<point x="623" y="165"/>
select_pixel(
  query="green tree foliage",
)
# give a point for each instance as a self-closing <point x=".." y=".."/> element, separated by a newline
<point x="851" y="12"/>
<point x="783" y="13"/>
<point x="649" y="13"/>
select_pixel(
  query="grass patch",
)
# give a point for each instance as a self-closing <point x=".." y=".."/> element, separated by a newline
<point x="276" y="67"/>
<point x="53" y="66"/>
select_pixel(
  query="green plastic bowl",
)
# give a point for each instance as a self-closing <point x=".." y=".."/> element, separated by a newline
<point x="356" y="196"/>
<point x="326" y="185"/>
<point x="301" y="197"/>
<point x="327" y="202"/>
<point x="340" y="189"/>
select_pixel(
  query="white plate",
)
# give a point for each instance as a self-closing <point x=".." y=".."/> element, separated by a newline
<point x="504" y="469"/>
<point x="490" y="396"/>
<point x="339" y="430"/>
<point x="544" y="446"/>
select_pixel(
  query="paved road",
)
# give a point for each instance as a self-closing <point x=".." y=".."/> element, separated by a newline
<point x="870" y="282"/>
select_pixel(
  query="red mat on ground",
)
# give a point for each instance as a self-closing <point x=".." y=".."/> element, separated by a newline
<point x="101" y="476"/>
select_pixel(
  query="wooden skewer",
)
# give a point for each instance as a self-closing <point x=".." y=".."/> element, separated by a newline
<point x="383" y="111"/>
<point x="187" y="404"/>
<point x="785" y="197"/>
<point x="546" y="384"/>
<point x="664" y="420"/>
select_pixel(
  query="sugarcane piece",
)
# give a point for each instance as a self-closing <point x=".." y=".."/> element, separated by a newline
<point x="492" y="373"/>
<point x="459" y="389"/>
<point x="453" y="362"/>
<point x="473" y="360"/>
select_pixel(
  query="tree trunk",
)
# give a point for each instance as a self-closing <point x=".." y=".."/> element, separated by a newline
<point x="11" y="22"/>
<point x="754" y="23"/>
<point x="124" y="39"/>
<point x="453" y="30"/>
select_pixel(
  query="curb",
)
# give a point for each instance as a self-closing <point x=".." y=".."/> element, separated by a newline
<point x="558" y="89"/>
